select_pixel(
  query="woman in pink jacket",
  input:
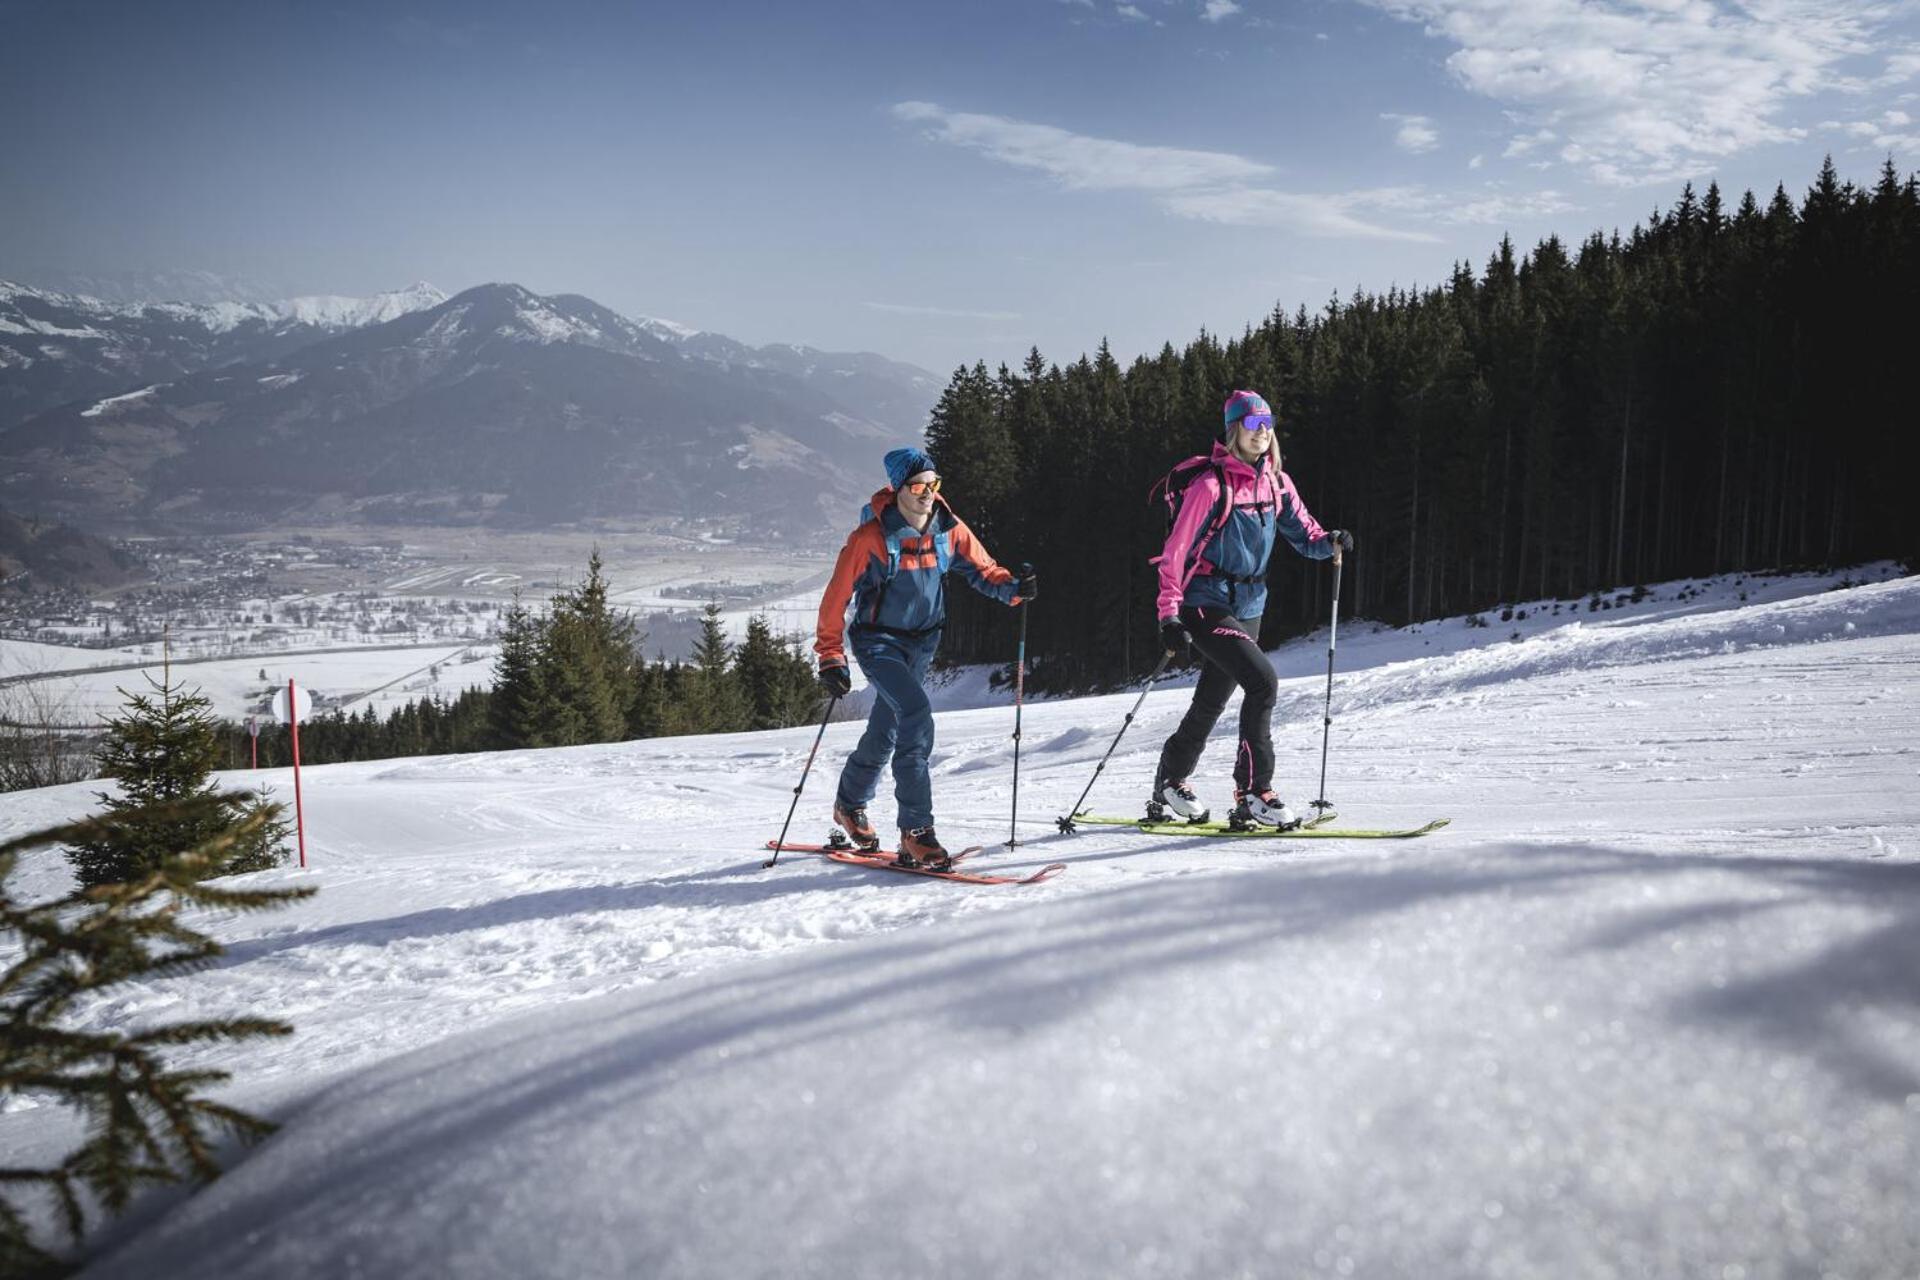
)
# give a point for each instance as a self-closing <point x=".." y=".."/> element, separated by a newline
<point x="1213" y="589"/>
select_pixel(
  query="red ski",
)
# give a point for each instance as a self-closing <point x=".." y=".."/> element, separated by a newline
<point x="883" y="859"/>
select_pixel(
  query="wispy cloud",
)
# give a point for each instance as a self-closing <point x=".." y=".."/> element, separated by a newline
<point x="1211" y="186"/>
<point x="1499" y="208"/>
<point x="1902" y="65"/>
<point x="1416" y="133"/>
<point x="1647" y="90"/>
<point x="1333" y="215"/>
<point x="1526" y="143"/>
<point x="1218" y="10"/>
<point x="1132" y="13"/>
<point x="1095" y="164"/>
<point x="416" y="30"/>
<point x="945" y="313"/>
<point x="1492" y="203"/>
<point x="1890" y="131"/>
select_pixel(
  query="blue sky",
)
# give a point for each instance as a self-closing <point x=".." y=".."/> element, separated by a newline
<point x="937" y="182"/>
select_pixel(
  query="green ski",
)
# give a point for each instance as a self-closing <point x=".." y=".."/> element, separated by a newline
<point x="1211" y="829"/>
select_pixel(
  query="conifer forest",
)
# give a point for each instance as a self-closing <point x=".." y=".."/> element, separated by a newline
<point x="1719" y="389"/>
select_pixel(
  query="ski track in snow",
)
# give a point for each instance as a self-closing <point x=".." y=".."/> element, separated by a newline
<point x="458" y="892"/>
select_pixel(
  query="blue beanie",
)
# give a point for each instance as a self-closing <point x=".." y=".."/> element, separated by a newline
<point x="905" y="462"/>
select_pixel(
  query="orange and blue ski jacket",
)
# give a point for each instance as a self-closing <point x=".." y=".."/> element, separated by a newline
<point x="896" y="576"/>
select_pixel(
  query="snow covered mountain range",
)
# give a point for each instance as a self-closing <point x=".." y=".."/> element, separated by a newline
<point x="496" y="404"/>
<point x="59" y="347"/>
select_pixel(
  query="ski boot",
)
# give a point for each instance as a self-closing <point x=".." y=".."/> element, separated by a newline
<point x="853" y="820"/>
<point x="920" y="848"/>
<point x="1175" y="799"/>
<point x="1260" y="809"/>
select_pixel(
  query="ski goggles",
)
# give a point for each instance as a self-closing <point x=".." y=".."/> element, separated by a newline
<point x="1256" y="422"/>
<point x="923" y="488"/>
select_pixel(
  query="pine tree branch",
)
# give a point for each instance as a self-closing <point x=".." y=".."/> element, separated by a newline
<point x="146" y="1124"/>
<point x="225" y="1029"/>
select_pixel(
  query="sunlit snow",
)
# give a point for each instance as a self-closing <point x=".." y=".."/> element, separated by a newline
<point x="1649" y="1006"/>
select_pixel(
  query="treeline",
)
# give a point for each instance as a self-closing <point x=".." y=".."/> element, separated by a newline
<point x="569" y="674"/>
<point x="1719" y="390"/>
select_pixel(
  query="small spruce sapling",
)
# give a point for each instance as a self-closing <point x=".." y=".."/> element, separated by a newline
<point x="146" y="1122"/>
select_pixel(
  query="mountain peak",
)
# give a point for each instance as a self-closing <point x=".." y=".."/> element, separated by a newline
<point x="334" y="312"/>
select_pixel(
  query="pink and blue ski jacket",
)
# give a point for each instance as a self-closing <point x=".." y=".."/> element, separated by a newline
<point x="1228" y="570"/>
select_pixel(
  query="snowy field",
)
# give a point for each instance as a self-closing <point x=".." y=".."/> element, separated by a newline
<point x="351" y="680"/>
<point x="1650" y="1006"/>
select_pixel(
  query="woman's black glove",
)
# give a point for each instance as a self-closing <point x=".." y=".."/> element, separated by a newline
<point x="1341" y="539"/>
<point x="836" y="681"/>
<point x="1173" y="638"/>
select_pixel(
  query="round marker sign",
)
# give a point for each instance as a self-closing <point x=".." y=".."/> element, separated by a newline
<point x="305" y="706"/>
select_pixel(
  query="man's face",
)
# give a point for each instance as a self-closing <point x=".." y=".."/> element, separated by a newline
<point x="916" y="495"/>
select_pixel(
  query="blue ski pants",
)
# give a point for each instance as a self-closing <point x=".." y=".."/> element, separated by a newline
<point x="900" y="725"/>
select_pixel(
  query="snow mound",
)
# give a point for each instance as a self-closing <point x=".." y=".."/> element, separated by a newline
<point x="1219" y="1075"/>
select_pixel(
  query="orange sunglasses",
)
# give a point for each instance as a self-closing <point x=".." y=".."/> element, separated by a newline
<point x="922" y="488"/>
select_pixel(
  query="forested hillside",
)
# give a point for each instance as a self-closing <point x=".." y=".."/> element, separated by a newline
<point x="1719" y="389"/>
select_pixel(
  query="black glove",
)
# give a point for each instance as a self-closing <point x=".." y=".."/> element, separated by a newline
<point x="1173" y="638"/>
<point x="1029" y="588"/>
<point x="1341" y="539"/>
<point x="836" y="681"/>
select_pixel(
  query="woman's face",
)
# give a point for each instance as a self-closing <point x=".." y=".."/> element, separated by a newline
<point x="1249" y="445"/>
<point x="915" y="506"/>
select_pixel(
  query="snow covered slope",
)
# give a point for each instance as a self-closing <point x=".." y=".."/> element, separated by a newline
<point x="1650" y="1006"/>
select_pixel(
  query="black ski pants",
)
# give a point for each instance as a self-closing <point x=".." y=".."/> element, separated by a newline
<point x="1230" y="659"/>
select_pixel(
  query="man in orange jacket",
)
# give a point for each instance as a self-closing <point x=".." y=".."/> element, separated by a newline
<point x="894" y="570"/>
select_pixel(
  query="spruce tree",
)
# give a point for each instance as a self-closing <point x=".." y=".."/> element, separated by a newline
<point x="776" y="678"/>
<point x="513" y="713"/>
<point x="579" y="680"/>
<point x="713" y="701"/>
<point x="587" y="663"/>
<point x="147" y="1122"/>
<point x="647" y="710"/>
<point x="567" y="688"/>
<point x="162" y="750"/>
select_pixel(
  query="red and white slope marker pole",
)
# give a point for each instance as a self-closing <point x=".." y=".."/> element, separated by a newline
<point x="289" y="714"/>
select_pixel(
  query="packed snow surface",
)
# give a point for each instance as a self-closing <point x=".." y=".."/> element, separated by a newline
<point x="1649" y="1006"/>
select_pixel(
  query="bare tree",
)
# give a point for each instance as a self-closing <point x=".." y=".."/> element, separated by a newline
<point x="43" y="741"/>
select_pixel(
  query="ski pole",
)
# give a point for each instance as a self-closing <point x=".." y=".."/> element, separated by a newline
<point x="1066" y="824"/>
<point x="1326" y="719"/>
<point x="1019" y="693"/>
<point x="832" y="702"/>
